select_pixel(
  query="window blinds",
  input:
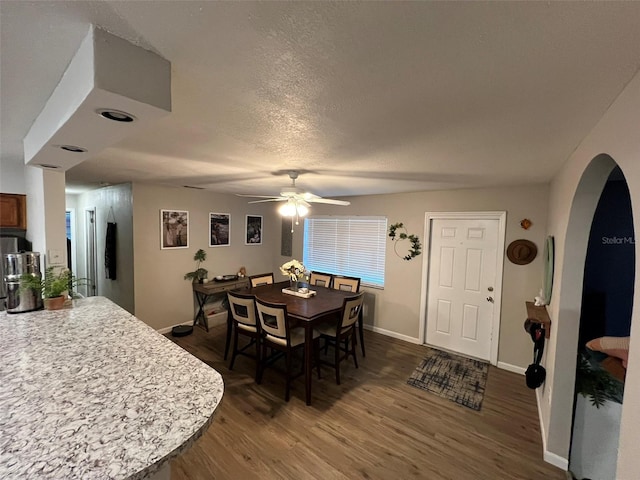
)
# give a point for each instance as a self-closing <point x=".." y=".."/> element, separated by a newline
<point x="352" y="246"/>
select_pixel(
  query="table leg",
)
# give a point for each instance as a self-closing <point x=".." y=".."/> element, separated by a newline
<point x="202" y="300"/>
<point x="308" y="355"/>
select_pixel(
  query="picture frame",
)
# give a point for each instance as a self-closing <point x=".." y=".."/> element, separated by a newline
<point x="174" y="229"/>
<point x="253" y="230"/>
<point x="219" y="229"/>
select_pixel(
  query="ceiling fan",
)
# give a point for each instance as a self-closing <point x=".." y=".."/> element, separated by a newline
<point x="297" y="200"/>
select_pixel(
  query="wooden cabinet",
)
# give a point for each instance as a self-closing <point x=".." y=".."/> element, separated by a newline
<point x="13" y="211"/>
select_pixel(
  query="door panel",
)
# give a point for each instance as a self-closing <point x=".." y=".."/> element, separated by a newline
<point x="462" y="269"/>
<point x="444" y="317"/>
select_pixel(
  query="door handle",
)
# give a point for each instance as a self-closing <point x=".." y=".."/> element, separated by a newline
<point x="490" y="289"/>
<point x="490" y="299"/>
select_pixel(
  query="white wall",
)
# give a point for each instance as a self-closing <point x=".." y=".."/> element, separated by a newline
<point x="12" y="175"/>
<point x="162" y="297"/>
<point x="46" y="215"/>
<point x="398" y="305"/>
<point x="617" y="136"/>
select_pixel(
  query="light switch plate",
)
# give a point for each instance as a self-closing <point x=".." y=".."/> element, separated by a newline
<point x="55" y="257"/>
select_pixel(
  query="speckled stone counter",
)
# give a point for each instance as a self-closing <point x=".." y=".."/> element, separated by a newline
<point x="91" y="392"/>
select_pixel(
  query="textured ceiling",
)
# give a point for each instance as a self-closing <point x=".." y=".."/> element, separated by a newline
<point x="366" y="98"/>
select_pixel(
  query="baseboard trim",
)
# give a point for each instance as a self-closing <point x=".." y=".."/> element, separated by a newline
<point x="511" y="368"/>
<point x="391" y="334"/>
<point x="162" y="331"/>
<point x="552" y="458"/>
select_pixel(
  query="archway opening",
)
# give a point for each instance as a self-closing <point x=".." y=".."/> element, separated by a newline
<point x="604" y="329"/>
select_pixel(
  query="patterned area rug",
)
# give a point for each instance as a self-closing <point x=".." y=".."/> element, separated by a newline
<point x="459" y="379"/>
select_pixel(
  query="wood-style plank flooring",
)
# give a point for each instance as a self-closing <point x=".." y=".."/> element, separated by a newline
<point x="373" y="426"/>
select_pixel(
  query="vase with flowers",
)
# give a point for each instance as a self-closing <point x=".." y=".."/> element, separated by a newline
<point x="295" y="271"/>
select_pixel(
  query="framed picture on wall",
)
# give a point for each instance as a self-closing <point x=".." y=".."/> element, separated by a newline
<point x="219" y="232"/>
<point x="174" y="229"/>
<point x="253" y="230"/>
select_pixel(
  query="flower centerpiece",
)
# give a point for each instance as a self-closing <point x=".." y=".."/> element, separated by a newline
<point x="294" y="270"/>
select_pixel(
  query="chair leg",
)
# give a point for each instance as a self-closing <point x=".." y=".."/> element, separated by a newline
<point x="337" y="361"/>
<point x="288" y="376"/>
<point x="257" y="358"/>
<point x="361" y="332"/>
<point x="228" y="339"/>
<point x="261" y="363"/>
<point x="353" y="349"/>
<point x="235" y="348"/>
<point x="316" y="352"/>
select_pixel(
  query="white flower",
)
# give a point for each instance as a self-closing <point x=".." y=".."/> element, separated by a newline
<point x="293" y="269"/>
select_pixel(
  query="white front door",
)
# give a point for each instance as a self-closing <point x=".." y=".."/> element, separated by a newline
<point x="465" y="270"/>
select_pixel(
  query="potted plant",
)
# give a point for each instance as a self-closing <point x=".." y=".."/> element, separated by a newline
<point x="53" y="287"/>
<point x="199" y="273"/>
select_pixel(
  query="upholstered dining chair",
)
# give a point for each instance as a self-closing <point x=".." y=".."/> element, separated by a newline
<point x="242" y="308"/>
<point x="342" y="335"/>
<point x="262" y="279"/>
<point x="321" y="279"/>
<point x="279" y="336"/>
<point x="351" y="284"/>
<point x="348" y="284"/>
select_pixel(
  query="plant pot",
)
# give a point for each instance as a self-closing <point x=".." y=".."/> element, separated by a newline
<point x="55" y="303"/>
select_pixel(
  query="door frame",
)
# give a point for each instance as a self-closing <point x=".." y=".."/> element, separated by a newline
<point x="501" y="216"/>
<point x="91" y="251"/>
<point x="74" y="238"/>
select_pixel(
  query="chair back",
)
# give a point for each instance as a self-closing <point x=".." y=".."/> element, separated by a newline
<point x="273" y="321"/>
<point x="347" y="284"/>
<point x="351" y="309"/>
<point x="243" y="308"/>
<point x="321" y="279"/>
<point x="262" y="279"/>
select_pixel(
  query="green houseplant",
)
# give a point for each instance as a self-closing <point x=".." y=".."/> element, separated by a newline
<point x="52" y="286"/>
<point x="199" y="273"/>
<point x="596" y="384"/>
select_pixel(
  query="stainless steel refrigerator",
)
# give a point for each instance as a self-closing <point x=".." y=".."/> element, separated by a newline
<point x="7" y="245"/>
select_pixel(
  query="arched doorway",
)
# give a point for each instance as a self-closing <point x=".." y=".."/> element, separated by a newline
<point x="570" y="285"/>
<point x="605" y="323"/>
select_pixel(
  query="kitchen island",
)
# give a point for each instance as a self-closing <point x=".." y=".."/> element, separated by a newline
<point x="91" y="392"/>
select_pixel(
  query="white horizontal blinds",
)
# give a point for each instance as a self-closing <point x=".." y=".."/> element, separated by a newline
<point x="352" y="246"/>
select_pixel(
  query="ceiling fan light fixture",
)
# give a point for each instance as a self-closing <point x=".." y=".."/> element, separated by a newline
<point x="302" y="210"/>
<point x="294" y="208"/>
<point x="287" y="209"/>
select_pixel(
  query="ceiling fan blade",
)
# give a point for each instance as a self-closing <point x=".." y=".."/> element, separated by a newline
<point x="330" y="201"/>
<point x="273" y="199"/>
<point x="258" y="196"/>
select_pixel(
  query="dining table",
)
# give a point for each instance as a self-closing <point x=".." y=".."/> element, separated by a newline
<point x="324" y="305"/>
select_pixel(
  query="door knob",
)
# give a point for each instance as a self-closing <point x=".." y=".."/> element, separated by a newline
<point x="490" y="289"/>
<point x="490" y="299"/>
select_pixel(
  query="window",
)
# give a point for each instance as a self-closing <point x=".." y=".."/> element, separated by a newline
<point x="352" y="246"/>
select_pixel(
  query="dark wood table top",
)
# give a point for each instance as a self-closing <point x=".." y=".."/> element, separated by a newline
<point x="324" y="302"/>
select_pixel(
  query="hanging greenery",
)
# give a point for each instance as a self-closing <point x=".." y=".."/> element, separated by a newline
<point x="596" y="384"/>
<point x="395" y="236"/>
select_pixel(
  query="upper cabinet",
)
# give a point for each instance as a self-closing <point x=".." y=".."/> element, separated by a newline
<point x="13" y="211"/>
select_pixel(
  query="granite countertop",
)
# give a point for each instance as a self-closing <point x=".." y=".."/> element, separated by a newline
<point x="91" y="392"/>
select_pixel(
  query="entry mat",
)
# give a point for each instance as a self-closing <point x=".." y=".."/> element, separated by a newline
<point x="459" y="379"/>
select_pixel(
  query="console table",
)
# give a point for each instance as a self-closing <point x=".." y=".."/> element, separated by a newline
<point x="204" y="292"/>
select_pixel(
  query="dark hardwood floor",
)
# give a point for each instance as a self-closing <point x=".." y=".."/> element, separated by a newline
<point x="373" y="426"/>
